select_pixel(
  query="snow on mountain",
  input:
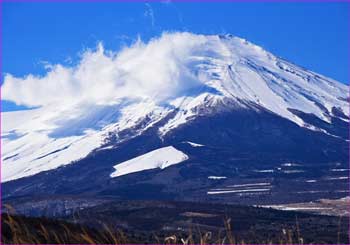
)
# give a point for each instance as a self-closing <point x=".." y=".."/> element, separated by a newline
<point x="242" y="71"/>
<point x="179" y="74"/>
<point x="160" y="158"/>
<point x="31" y="143"/>
<point x="194" y="144"/>
<point x="217" y="177"/>
<point x="44" y="139"/>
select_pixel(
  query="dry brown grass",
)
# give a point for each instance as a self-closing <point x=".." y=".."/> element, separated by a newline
<point x="23" y="233"/>
<point x="19" y="230"/>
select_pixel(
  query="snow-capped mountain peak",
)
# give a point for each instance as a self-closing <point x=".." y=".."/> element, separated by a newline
<point x="172" y="79"/>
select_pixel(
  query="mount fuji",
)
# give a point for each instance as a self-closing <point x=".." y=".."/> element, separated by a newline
<point x="183" y="117"/>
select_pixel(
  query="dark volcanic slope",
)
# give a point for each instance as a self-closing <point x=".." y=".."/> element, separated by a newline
<point x="266" y="159"/>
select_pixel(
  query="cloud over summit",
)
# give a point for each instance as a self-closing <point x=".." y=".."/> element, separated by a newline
<point x="157" y="69"/>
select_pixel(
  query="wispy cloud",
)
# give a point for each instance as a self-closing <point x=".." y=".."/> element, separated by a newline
<point x="149" y="13"/>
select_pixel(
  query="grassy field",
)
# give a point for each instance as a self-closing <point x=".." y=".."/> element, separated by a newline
<point x="175" y="223"/>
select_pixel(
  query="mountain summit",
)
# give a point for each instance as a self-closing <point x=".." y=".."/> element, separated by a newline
<point x="228" y="112"/>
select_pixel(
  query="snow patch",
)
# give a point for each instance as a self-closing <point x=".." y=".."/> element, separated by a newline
<point x="289" y="164"/>
<point x="217" y="177"/>
<point x="286" y="208"/>
<point x="264" y="171"/>
<point x="193" y="144"/>
<point x="311" y="181"/>
<point x="340" y="169"/>
<point x="238" y="191"/>
<point x="251" y="184"/>
<point x="293" y="171"/>
<point x="338" y="178"/>
<point x="160" y="158"/>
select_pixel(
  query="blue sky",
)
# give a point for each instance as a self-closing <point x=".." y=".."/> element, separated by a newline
<point x="313" y="35"/>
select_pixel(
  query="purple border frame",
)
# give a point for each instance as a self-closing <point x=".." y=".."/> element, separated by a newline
<point x="183" y="1"/>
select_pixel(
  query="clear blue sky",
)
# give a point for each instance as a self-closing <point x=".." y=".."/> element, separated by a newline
<point x="313" y="35"/>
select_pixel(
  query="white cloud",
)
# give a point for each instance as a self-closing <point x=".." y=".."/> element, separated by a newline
<point x="157" y="69"/>
<point x="149" y="13"/>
